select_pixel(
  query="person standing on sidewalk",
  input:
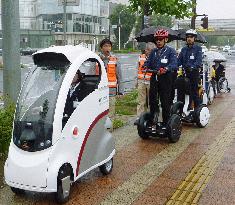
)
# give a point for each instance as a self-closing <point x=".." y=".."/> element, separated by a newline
<point x="163" y="60"/>
<point x="143" y="82"/>
<point x="113" y="69"/>
<point x="190" y="58"/>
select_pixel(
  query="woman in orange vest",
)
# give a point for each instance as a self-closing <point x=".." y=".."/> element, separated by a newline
<point x="143" y="80"/>
<point x="113" y="68"/>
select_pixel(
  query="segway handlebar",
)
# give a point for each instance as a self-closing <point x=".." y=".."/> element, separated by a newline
<point x="150" y="71"/>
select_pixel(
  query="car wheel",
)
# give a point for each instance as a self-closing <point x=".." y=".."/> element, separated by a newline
<point x="17" y="191"/>
<point x="107" y="167"/>
<point x="64" y="181"/>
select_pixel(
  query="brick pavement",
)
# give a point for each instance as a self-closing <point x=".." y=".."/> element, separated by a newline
<point x="150" y="171"/>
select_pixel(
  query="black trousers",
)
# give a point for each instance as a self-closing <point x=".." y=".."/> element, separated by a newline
<point x="194" y="80"/>
<point x="174" y="77"/>
<point x="161" y="89"/>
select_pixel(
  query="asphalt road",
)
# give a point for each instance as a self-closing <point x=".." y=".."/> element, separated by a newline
<point x="128" y="70"/>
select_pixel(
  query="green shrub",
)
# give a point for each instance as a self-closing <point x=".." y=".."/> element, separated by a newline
<point x="118" y="123"/>
<point x="125" y="51"/>
<point x="126" y="104"/>
<point x="6" y="122"/>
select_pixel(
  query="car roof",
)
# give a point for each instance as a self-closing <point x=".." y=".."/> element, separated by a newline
<point x="69" y="51"/>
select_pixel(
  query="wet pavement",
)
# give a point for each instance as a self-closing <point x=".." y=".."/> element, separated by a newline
<point x="198" y="169"/>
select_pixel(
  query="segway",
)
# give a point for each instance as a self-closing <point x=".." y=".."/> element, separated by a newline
<point x="148" y="127"/>
<point x="201" y="115"/>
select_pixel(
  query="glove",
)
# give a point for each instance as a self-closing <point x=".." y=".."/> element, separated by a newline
<point x="162" y="71"/>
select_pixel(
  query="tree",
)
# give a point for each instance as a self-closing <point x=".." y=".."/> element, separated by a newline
<point x="161" y="20"/>
<point x="127" y="21"/>
<point x="178" y="8"/>
<point x="155" y="20"/>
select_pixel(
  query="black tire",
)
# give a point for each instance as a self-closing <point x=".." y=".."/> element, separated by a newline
<point x="200" y="123"/>
<point x="107" y="167"/>
<point x="17" y="191"/>
<point x="174" y="128"/>
<point x="143" y="122"/>
<point x="177" y="108"/>
<point x="64" y="171"/>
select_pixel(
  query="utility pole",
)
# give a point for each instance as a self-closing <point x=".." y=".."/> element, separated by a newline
<point x="11" y="49"/>
<point x="193" y="19"/>
<point x="119" y="32"/>
<point x="65" y="20"/>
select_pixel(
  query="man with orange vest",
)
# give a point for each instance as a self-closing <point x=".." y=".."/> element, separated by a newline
<point x="113" y="69"/>
<point x="143" y="80"/>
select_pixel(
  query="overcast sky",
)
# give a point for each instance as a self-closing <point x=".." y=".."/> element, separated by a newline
<point x="217" y="9"/>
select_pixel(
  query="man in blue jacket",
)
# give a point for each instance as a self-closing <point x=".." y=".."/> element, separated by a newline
<point x="190" y="58"/>
<point x="164" y="61"/>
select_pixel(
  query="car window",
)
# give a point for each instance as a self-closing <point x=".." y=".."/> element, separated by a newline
<point x="80" y="88"/>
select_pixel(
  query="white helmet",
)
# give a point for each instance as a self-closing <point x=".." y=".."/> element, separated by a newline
<point x="191" y="32"/>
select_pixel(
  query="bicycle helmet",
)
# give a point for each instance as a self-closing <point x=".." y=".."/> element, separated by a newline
<point x="191" y="32"/>
<point x="161" y="33"/>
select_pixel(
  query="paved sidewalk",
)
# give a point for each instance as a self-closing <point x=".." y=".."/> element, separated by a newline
<point x="198" y="169"/>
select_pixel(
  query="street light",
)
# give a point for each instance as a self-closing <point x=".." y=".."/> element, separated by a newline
<point x="119" y="30"/>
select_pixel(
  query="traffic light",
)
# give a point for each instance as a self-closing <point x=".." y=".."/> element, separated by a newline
<point x="204" y="22"/>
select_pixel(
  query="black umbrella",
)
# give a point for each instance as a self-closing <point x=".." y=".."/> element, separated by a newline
<point x="147" y="34"/>
<point x="200" y="37"/>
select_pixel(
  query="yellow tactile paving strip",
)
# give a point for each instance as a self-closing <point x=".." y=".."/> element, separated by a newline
<point x="190" y="190"/>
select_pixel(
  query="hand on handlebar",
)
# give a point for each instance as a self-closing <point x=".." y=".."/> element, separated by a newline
<point x="161" y="71"/>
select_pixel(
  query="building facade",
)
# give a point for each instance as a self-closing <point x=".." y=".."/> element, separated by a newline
<point x="27" y="14"/>
<point x="87" y="22"/>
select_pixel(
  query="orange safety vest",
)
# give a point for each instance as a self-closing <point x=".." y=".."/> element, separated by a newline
<point x="112" y="75"/>
<point x="111" y="72"/>
<point x="142" y="75"/>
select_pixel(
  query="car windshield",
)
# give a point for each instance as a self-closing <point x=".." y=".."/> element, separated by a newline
<point x="35" y="109"/>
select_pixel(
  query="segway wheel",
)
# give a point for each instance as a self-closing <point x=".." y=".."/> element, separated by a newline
<point x="174" y="128"/>
<point x="64" y="181"/>
<point x="177" y="108"/>
<point x="17" y="191"/>
<point x="210" y="94"/>
<point x="202" y="116"/>
<point x="107" y="167"/>
<point x="143" y="124"/>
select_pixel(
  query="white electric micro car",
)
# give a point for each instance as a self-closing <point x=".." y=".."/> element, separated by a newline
<point x="49" y="148"/>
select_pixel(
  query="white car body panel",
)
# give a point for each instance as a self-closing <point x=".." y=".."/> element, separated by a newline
<point x="38" y="171"/>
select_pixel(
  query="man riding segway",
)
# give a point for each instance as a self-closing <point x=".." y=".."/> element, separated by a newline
<point x="190" y="58"/>
<point x="161" y="62"/>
